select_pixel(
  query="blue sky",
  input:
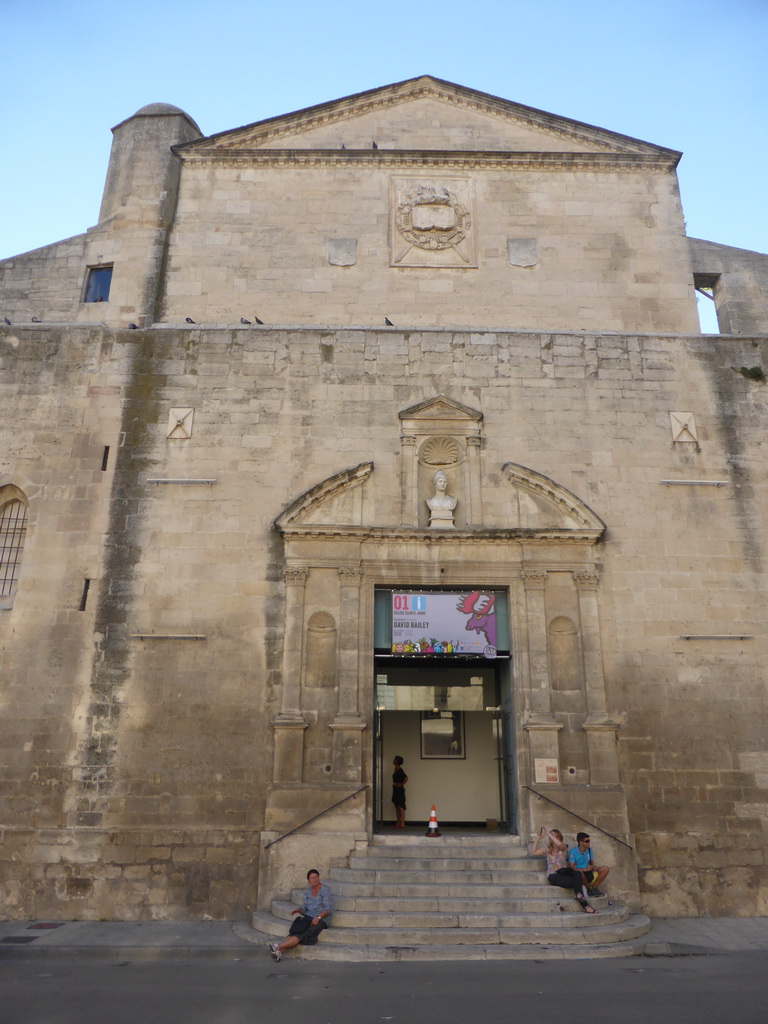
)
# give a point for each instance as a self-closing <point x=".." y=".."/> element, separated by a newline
<point x="687" y="75"/>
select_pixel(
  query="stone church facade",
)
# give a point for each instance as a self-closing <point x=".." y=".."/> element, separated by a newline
<point x="307" y="376"/>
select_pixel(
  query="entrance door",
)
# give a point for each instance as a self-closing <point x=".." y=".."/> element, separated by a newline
<point x="446" y="722"/>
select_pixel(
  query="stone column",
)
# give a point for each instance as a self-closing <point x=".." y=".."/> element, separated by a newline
<point x="408" y="481"/>
<point x="473" y="496"/>
<point x="348" y="725"/>
<point x="289" y="724"/>
<point x="540" y="724"/>
<point x="599" y="726"/>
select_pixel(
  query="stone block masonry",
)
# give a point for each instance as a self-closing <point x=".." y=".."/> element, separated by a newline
<point x="135" y="772"/>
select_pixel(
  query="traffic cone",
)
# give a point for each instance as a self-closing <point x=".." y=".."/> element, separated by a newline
<point x="432" y="829"/>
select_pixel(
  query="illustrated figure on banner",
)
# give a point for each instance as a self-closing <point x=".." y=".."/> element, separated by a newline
<point x="482" y="617"/>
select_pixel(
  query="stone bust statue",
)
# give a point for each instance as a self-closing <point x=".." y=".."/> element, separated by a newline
<point x="441" y="504"/>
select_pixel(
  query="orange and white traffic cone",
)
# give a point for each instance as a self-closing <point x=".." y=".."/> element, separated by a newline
<point x="432" y="829"/>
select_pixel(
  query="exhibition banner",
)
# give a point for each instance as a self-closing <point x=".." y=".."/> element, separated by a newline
<point x="460" y="622"/>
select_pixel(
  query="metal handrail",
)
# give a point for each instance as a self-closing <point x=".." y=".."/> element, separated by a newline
<point x="575" y="815"/>
<point x="310" y="820"/>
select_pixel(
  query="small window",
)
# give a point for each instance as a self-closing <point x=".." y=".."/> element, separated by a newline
<point x="97" y="284"/>
<point x="13" y="530"/>
<point x="707" y="302"/>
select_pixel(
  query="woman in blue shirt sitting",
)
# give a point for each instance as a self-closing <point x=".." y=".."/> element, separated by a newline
<point x="317" y="906"/>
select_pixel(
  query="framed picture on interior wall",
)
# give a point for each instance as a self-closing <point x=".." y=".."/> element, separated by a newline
<point x="442" y="734"/>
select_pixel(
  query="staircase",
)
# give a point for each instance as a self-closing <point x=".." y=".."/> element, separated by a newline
<point x="455" y="898"/>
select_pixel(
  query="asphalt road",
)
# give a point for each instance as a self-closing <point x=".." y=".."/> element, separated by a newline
<point x="726" y="989"/>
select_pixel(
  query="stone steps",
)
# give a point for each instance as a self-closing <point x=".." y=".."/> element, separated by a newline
<point x="384" y="937"/>
<point x="381" y="862"/>
<point x="439" y="877"/>
<point x="540" y="890"/>
<point x="457" y="897"/>
<point x="414" y="918"/>
<point x="548" y="903"/>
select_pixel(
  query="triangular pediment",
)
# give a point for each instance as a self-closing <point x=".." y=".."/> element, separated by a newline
<point x="440" y="408"/>
<point x="421" y="114"/>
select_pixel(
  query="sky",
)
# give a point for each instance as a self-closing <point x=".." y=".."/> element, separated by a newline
<point x="687" y="75"/>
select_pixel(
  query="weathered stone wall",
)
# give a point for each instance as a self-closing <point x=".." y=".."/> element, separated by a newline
<point x="254" y="237"/>
<point x="160" y="751"/>
<point x="739" y="279"/>
<point x="46" y="283"/>
<point x="136" y="211"/>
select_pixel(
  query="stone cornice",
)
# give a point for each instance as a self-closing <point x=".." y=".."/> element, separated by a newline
<point x="457" y="160"/>
<point x="452" y="538"/>
<point x="385" y="97"/>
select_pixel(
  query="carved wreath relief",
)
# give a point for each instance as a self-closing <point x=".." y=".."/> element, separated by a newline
<point x="432" y="223"/>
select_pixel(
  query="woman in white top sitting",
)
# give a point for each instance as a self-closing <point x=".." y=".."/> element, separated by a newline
<point x="558" y="870"/>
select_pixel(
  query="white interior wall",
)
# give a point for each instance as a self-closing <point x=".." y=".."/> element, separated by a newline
<point x="462" y="789"/>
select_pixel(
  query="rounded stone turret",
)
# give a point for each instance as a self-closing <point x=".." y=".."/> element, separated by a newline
<point x="142" y="167"/>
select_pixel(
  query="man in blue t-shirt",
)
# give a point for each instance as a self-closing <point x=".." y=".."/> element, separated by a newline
<point x="580" y="857"/>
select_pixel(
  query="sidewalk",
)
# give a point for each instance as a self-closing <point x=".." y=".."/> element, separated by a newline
<point x="156" y="940"/>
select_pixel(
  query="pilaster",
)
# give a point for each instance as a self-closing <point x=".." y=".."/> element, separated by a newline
<point x="347" y="726"/>
<point x="289" y="724"/>
<point x="541" y="726"/>
<point x="599" y="726"/>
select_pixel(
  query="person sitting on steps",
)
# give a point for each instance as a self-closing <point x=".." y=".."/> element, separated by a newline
<point x="558" y="872"/>
<point x="581" y="857"/>
<point x="318" y="904"/>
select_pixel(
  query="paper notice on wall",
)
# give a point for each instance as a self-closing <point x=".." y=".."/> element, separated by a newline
<point x="546" y="770"/>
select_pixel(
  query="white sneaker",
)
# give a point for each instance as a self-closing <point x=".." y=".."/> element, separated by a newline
<point x="274" y="949"/>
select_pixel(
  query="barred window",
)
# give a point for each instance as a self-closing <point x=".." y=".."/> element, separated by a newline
<point x="13" y="530"/>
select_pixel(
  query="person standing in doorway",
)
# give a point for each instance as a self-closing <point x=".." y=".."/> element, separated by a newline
<point x="399" y="779"/>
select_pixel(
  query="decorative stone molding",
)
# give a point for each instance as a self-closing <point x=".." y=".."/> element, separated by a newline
<point x="351" y="577"/>
<point x="601" y="723"/>
<point x="534" y="579"/>
<point x="296" y="576"/>
<point x="310" y="502"/>
<point x="561" y="625"/>
<point x="432" y="223"/>
<point x="321" y="622"/>
<point x="443" y="429"/>
<point x="542" y="722"/>
<point x="683" y="427"/>
<point x="586" y="579"/>
<point x="342" y="252"/>
<point x="521" y="252"/>
<point x="570" y="509"/>
<point x="442" y="160"/>
<point x="180" y="424"/>
<point x="383" y="100"/>
<point x="440" y="451"/>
